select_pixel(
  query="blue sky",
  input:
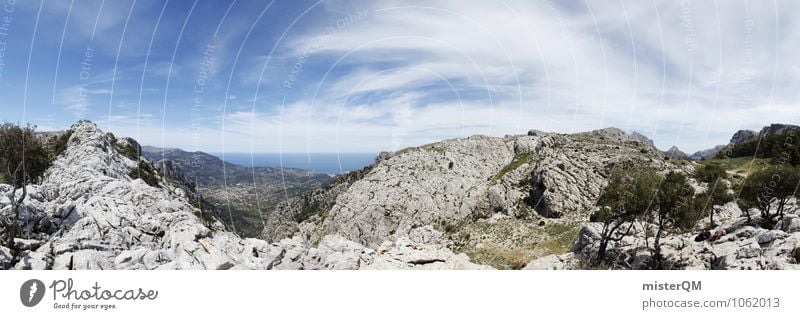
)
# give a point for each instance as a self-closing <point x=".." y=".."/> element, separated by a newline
<point x="364" y="76"/>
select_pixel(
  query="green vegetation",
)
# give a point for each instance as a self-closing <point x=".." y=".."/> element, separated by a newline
<point x="146" y="173"/>
<point x="23" y="160"/>
<point x="675" y="200"/>
<point x="23" y="157"/>
<point x="770" y="190"/>
<point x="739" y="165"/>
<point x="637" y="193"/>
<point x="781" y="148"/>
<point x="205" y="216"/>
<point x="129" y="151"/>
<point x="628" y="196"/>
<point x="112" y="138"/>
<point x="563" y="237"/>
<point x="715" y="176"/>
<point x="60" y="143"/>
<point x="509" y="243"/>
<point x="518" y="160"/>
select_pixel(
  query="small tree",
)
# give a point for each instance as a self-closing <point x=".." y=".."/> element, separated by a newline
<point x="675" y="207"/>
<point x="629" y="195"/>
<point x="24" y="159"/>
<point x="717" y="193"/>
<point x="769" y="187"/>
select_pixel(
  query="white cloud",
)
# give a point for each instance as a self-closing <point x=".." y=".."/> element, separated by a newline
<point x="676" y="72"/>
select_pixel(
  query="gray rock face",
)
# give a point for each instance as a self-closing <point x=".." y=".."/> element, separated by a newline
<point x="453" y="183"/>
<point x="88" y="213"/>
<point x="709" y="153"/>
<point x="644" y="139"/>
<point x="777" y="129"/>
<point x="742" y="136"/>
<point x="675" y="153"/>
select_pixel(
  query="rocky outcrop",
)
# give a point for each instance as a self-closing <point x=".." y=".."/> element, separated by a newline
<point x="91" y="212"/>
<point x="778" y="129"/>
<point x="742" y="136"/>
<point x="460" y="187"/>
<point x="644" y="139"/>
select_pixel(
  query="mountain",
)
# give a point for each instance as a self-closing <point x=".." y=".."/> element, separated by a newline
<point x="705" y="154"/>
<point x="93" y="210"/>
<point x="675" y="153"/>
<point x="742" y="136"/>
<point x="479" y="202"/>
<point x="643" y="138"/>
<point x="774" y="141"/>
<point x="240" y="194"/>
<point x="502" y="201"/>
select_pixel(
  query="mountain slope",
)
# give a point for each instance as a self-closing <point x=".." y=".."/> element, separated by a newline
<point x="92" y="211"/>
<point x="497" y="199"/>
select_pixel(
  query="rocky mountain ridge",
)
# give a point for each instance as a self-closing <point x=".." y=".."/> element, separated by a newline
<point x="468" y="203"/>
<point x="497" y="198"/>
<point x="91" y="212"/>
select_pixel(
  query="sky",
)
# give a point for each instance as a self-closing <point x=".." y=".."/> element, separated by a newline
<point x="255" y="76"/>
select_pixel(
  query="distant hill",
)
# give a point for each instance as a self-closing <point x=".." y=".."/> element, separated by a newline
<point x="709" y="153"/>
<point x="780" y="142"/>
<point x="242" y="194"/>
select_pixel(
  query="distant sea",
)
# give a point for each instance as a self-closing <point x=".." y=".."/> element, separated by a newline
<point x="324" y="163"/>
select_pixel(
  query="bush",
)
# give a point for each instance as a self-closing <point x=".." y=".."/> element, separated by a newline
<point x="711" y="173"/>
<point x="629" y="195"/>
<point x="128" y="151"/>
<point x="770" y="187"/>
<point x="23" y="158"/>
<point x="785" y="148"/>
<point x="112" y="138"/>
<point x="146" y="173"/>
<point x="60" y="144"/>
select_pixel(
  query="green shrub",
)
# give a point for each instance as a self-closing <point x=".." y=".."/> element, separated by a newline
<point x="518" y="160"/>
<point x="112" y="137"/>
<point x="60" y="144"/>
<point x="128" y="151"/>
<point x="146" y="173"/>
<point x="23" y="158"/>
<point x="770" y="189"/>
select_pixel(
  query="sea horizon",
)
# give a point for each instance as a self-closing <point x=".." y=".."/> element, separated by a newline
<point x="323" y="163"/>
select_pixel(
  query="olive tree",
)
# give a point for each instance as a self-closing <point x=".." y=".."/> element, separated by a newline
<point x="717" y="192"/>
<point x="23" y="160"/>
<point x="770" y="189"/>
<point x="674" y="207"/>
<point x="629" y="195"/>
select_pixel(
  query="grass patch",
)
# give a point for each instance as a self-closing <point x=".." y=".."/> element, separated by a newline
<point x="518" y="160"/>
<point x="511" y="243"/>
<point x="504" y="259"/>
<point x="740" y="165"/>
<point x="562" y="236"/>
